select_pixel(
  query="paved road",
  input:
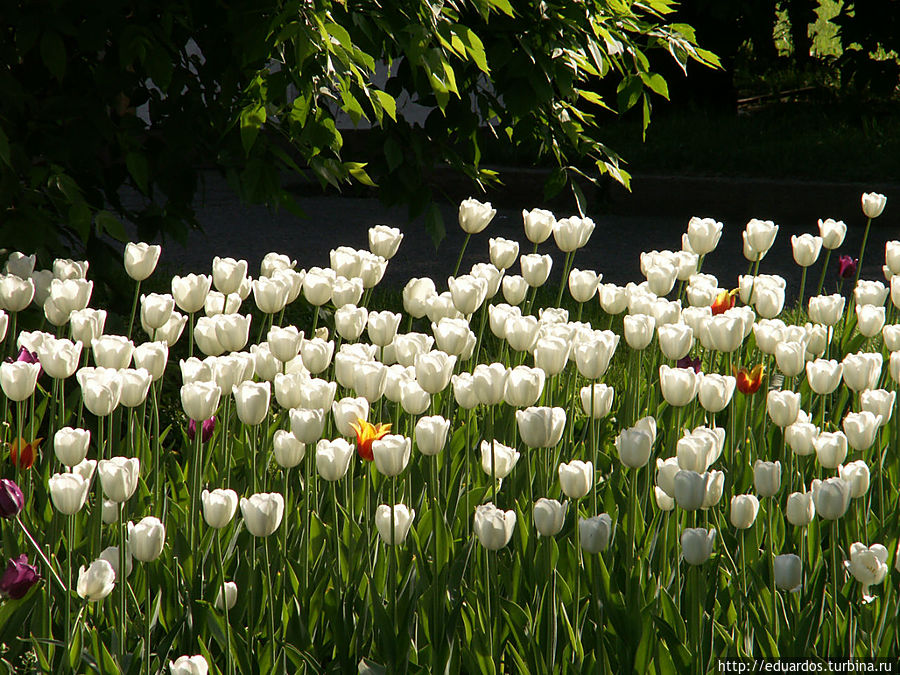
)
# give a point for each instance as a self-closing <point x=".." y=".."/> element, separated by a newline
<point x="653" y="217"/>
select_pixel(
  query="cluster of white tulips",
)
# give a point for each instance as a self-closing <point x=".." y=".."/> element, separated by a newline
<point x="399" y="438"/>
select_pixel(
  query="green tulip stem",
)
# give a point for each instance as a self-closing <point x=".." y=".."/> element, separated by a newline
<point x="745" y="623"/>
<point x="632" y="522"/>
<point x="392" y="555"/>
<point x="221" y="565"/>
<point x="578" y="572"/>
<point x="824" y="270"/>
<point x="315" y="322"/>
<point x="338" y="580"/>
<point x="147" y="618"/>
<point x="190" y="334"/>
<point x="771" y="535"/>
<point x="488" y="579"/>
<point x="195" y="487"/>
<point x="270" y="598"/>
<point x="307" y="548"/>
<point x="70" y="540"/>
<point x="134" y="302"/>
<point x="493" y="463"/>
<point x="802" y="286"/>
<point x="594" y="458"/>
<point x="462" y="252"/>
<point x="567" y="267"/>
<point x="862" y="252"/>
<point x="121" y="584"/>
<point x="156" y="445"/>
<point x="834" y="587"/>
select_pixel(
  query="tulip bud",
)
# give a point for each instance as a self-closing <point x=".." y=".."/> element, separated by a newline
<point x="634" y="447"/>
<point x="141" y="259"/>
<point x="402" y="520"/>
<point x="219" y="507"/>
<point x="189" y="665"/>
<point x="800" y="509"/>
<point x="541" y="427"/>
<point x="288" y="451"/>
<point x="119" y="477"/>
<point x="873" y="204"/>
<point x="146" y="539"/>
<point x="597" y="400"/>
<point x="744" y="509"/>
<point x="262" y="513"/>
<point x="788" y="571"/>
<point x="494" y="527"/>
<point x="475" y="216"/>
<point x="697" y="544"/>
<point x="333" y="458"/>
<point x="767" y="477"/>
<point x="549" y="516"/>
<point x="231" y="591"/>
<point x="576" y="478"/>
<point x="497" y="459"/>
<point x="68" y="492"/>
<point x="12" y="501"/>
<point x="831" y="497"/>
<point x="856" y="474"/>
<point x="97" y="581"/>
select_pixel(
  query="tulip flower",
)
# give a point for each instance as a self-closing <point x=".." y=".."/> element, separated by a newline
<point x="393" y="523"/>
<point x="464" y="391"/>
<point x="333" y="458"/>
<point x="744" y="509"/>
<point x="498" y="459"/>
<point x="788" y="572"/>
<point x="68" y="492"/>
<point x="431" y="434"/>
<point x="97" y="581"/>
<point x="634" y="446"/>
<point x="524" y="386"/>
<point x="749" y="381"/>
<point x="873" y="204"/>
<point x="252" y="401"/>
<point x="433" y="370"/>
<point x="549" y="516"/>
<point x="489" y="381"/>
<point x="679" y="385"/>
<point x="790" y="357"/>
<point x="15" y="293"/>
<point x="71" y="445"/>
<point x="514" y="288"/>
<point x="663" y="501"/>
<point x="119" y="477"/>
<point x="847" y="266"/>
<point x="862" y="370"/>
<point x="714" y="391"/>
<point x="697" y="544"/>
<point x="759" y="235"/>
<point x="18" y="578"/>
<point x="200" y="400"/>
<point x="219" y="507"/>
<point x="856" y="474"/>
<point x="189" y="665"/>
<point x="860" y="429"/>
<point x="538" y="225"/>
<point x="146" y="539"/>
<point x="12" y="501"/>
<point x="800" y="509"/>
<point x="230" y="599"/>
<point x="206" y="429"/>
<point x="541" y="427"/>
<point x="595" y="532"/>
<point x="831" y="449"/>
<point x="767" y="477"/>
<point x="141" y="259"/>
<point x="475" y="216"/>
<point x="879" y="402"/>
<point x="697" y="450"/>
<point x="783" y="407"/>
<point x="832" y="233"/>
<point x="366" y="434"/>
<point x="18" y="379"/>
<point x="806" y="249"/>
<point x="22" y="453"/>
<point x="190" y="291"/>
<point x="638" y="330"/>
<point x="868" y="565"/>
<point x="576" y="478"/>
<point x="831" y="497"/>
<point x="535" y="269"/>
<point x="391" y="454"/>
<point x="262" y="513"/>
<point x="704" y="234"/>
<point x="288" y="451"/>
<point x="494" y="527"/>
<point x="596" y="400"/>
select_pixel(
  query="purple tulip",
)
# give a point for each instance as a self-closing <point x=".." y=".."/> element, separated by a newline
<point x="688" y="362"/>
<point x="847" y="269"/>
<point x="206" y="431"/>
<point x="11" y="499"/>
<point x="18" y="578"/>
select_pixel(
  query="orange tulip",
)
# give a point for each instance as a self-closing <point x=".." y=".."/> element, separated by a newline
<point x="365" y="434"/>
<point x="21" y="454"/>
<point x="724" y="301"/>
<point x="749" y="381"/>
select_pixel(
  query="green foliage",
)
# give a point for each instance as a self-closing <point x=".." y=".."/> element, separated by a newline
<point x="255" y="88"/>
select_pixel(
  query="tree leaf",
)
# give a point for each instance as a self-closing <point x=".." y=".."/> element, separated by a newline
<point x="53" y="54"/>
